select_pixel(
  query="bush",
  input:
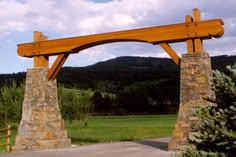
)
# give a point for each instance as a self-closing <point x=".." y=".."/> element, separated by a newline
<point x="74" y="104"/>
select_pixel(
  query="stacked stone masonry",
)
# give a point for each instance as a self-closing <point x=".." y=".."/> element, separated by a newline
<point x="195" y="84"/>
<point x="41" y="126"/>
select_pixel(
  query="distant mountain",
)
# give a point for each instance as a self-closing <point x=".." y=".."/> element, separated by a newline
<point x="122" y="69"/>
<point x="155" y="64"/>
<point x="136" y="64"/>
<point x="220" y="62"/>
<point x="128" y="69"/>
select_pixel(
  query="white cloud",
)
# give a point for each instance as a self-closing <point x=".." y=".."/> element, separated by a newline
<point x="81" y="17"/>
<point x="90" y="56"/>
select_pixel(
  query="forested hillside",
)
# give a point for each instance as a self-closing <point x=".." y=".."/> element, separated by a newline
<point x="127" y="85"/>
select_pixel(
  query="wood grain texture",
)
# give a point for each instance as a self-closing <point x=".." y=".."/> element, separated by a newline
<point x="189" y="42"/>
<point x="198" y="46"/>
<point x="40" y="61"/>
<point x="154" y="35"/>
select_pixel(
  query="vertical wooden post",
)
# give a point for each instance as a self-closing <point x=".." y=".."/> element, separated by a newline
<point x="8" y="147"/>
<point x="40" y="61"/>
<point x="197" y="42"/>
<point x="190" y="43"/>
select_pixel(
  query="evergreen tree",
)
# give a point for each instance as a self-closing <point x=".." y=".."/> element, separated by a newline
<point x="216" y="133"/>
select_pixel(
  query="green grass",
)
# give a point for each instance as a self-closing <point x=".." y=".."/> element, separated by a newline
<point x="122" y="128"/>
<point x="106" y="129"/>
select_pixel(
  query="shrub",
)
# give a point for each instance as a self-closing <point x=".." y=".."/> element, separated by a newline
<point x="11" y="100"/>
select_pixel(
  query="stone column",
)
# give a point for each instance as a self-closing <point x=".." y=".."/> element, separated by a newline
<point x="195" y="80"/>
<point x="41" y="126"/>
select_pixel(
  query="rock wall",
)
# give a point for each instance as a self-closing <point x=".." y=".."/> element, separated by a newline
<point x="41" y="126"/>
<point x="195" y="80"/>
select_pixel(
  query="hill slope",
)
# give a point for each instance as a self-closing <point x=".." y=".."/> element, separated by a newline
<point x="122" y="69"/>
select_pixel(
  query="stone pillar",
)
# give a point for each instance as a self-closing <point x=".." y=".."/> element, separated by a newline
<point x="41" y="126"/>
<point x="195" y="80"/>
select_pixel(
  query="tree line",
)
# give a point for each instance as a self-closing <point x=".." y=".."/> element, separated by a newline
<point x="77" y="104"/>
<point x="121" y="86"/>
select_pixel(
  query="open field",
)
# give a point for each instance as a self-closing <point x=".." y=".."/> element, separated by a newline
<point x="122" y="128"/>
<point x="106" y="129"/>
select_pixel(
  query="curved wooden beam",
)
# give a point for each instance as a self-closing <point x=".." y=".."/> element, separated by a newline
<point x="154" y="35"/>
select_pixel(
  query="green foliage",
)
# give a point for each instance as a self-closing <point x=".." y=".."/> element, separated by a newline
<point x="11" y="100"/>
<point x="75" y="104"/>
<point x="199" y="153"/>
<point x="217" y="129"/>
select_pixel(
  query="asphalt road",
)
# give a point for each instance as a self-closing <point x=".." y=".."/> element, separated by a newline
<point x="146" y="148"/>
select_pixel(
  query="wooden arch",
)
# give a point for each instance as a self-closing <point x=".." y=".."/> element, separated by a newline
<point x="193" y="31"/>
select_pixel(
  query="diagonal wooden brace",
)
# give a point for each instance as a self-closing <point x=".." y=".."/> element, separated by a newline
<point x="52" y="73"/>
<point x="171" y="53"/>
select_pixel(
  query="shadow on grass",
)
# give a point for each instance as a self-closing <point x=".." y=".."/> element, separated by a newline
<point x="84" y="140"/>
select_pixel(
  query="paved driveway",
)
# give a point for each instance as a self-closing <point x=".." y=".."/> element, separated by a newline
<point x="146" y="148"/>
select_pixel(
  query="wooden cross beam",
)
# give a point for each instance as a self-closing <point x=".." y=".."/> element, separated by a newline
<point x="192" y="31"/>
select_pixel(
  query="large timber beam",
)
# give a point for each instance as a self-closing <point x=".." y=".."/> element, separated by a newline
<point x="160" y="34"/>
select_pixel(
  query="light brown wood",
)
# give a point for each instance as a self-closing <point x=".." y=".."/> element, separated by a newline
<point x="8" y="138"/>
<point x="3" y="129"/>
<point x="155" y="35"/>
<point x="189" y="42"/>
<point x="3" y="144"/>
<point x="53" y="71"/>
<point x="8" y="147"/>
<point x="198" y="46"/>
<point x="4" y="136"/>
<point x="193" y="31"/>
<point x="171" y="52"/>
<point x="40" y="61"/>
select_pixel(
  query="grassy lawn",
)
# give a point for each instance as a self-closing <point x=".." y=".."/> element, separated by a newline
<point x="122" y="128"/>
<point x="116" y="128"/>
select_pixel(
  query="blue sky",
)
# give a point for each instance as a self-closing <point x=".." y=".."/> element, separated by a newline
<point x="67" y="18"/>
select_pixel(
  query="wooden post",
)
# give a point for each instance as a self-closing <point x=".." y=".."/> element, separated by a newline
<point x="7" y="136"/>
<point x="8" y="147"/>
<point x="197" y="42"/>
<point x="190" y="43"/>
<point x="40" y="61"/>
